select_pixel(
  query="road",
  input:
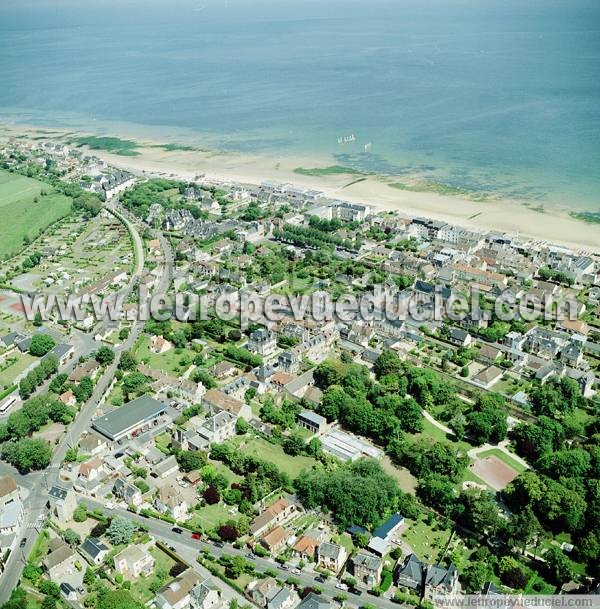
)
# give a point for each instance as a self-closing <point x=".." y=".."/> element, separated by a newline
<point x="189" y="549"/>
<point x="38" y="483"/>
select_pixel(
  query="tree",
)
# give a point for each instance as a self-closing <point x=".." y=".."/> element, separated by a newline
<point x="512" y="573"/>
<point x="242" y="426"/>
<point x="293" y="445"/>
<point x="560" y="567"/>
<point x="387" y="363"/>
<point x="356" y="493"/>
<point x="104" y="356"/>
<point x="211" y="495"/>
<point x="49" y="588"/>
<point x="71" y="537"/>
<point x="27" y="454"/>
<point x="121" y="530"/>
<point x="523" y="529"/>
<point x="127" y="361"/>
<point x="37" y="319"/>
<point x="89" y="577"/>
<point x="57" y="383"/>
<point x="41" y="344"/>
<point x="80" y="513"/>
<point x="438" y="492"/>
<point x="228" y="533"/>
<point x="568" y="463"/>
<point x="133" y="382"/>
<point x="117" y="599"/>
<point x="534" y="440"/>
<point x="83" y="392"/>
<point x="189" y="460"/>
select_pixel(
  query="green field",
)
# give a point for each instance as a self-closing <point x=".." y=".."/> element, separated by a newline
<point x="274" y="453"/>
<point x="24" y="216"/>
<point x="172" y="361"/>
<point x="12" y="365"/>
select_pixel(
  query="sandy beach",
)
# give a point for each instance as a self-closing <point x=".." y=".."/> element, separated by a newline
<point x="550" y="224"/>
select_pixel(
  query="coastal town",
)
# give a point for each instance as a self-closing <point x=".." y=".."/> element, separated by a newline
<point x="314" y="463"/>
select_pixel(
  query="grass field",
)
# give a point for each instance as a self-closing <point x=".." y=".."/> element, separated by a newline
<point x="173" y="361"/>
<point x="426" y="542"/>
<point x="23" y="216"/>
<point x="210" y="516"/>
<point x="20" y="361"/>
<point x="274" y="453"/>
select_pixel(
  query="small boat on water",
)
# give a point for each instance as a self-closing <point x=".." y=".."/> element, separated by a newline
<point x="346" y="139"/>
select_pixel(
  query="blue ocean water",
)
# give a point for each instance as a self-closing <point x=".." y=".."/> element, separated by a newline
<point x="500" y="95"/>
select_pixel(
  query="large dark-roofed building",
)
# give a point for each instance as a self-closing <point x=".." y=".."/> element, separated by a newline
<point x="130" y="419"/>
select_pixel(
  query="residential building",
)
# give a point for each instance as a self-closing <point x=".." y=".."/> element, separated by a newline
<point x="127" y="492"/>
<point x="60" y="562"/>
<point x="167" y="467"/>
<point x="425" y="579"/>
<point x="159" y="344"/>
<point x="134" y="561"/>
<point x="367" y="568"/>
<point x="9" y="491"/>
<point x="177" y="593"/>
<point x="274" y="515"/>
<point x="275" y="539"/>
<point x="206" y="595"/>
<point x="331" y="556"/>
<point x="170" y="501"/>
<point x="94" y="550"/>
<point x="63" y="502"/>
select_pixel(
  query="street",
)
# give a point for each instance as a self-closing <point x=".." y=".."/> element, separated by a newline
<point x="38" y="483"/>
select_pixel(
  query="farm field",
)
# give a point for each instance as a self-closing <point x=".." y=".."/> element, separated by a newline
<point x="24" y="216"/>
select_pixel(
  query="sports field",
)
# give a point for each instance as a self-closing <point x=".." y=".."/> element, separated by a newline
<point x="24" y="212"/>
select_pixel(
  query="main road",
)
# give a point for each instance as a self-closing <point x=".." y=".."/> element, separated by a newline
<point x="189" y="549"/>
<point x="36" y="484"/>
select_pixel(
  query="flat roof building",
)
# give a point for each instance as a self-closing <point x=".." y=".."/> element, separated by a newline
<point x="130" y="419"/>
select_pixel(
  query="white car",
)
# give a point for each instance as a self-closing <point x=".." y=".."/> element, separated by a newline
<point x="110" y="505"/>
<point x="296" y="571"/>
<point x="341" y="586"/>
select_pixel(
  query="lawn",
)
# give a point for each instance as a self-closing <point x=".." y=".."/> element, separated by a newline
<point x="431" y="431"/>
<point x="344" y="540"/>
<point x="210" y="516"/>
<point x="140" y="588"/>
<point x="22" y="216"/>
<point x="20" y="362"/>
<point x="426" y="542"/>
<point x="506" y="459"/>
<point x="274" y="453"/>
<point x="174" y="361"/>
<point x="40" y="548"/>
<point x="406" y="481"/>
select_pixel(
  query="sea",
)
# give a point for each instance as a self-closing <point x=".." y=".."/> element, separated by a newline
<point x="498" y="96"/>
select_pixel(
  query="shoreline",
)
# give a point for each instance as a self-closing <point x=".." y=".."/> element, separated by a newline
<point x="519" y="218"/>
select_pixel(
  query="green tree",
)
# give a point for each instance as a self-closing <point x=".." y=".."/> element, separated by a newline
<point x="41" y="344"/>
<point x="71" y="537"/>
<point x="121" y="531"/>
<point x="127" y="361"/>
<point x="104" y="356"/>
<point x="80" y="513"/>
